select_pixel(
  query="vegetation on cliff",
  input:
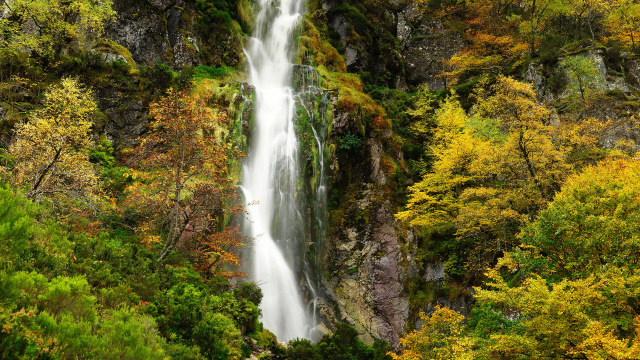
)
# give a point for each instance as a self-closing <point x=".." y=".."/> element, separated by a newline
<point x="525" y="192"/>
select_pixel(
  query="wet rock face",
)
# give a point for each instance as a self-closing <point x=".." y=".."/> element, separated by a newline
<point x="365" y="267"/>
<point x="365" y="37"/>
<point x="419" y="55"/>
<point x="367" y="285"/>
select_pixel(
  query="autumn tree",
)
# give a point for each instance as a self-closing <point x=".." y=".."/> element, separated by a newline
<point x="569" y="292"/>
<point x="441" y="337"/>
<point x="45" y="27"/>
<point x="585" y="14"/>
<point x="185" y="185"/>
<point x="493" y="28"/>
<point x="50" y="150"/>
<point x="565" y="319"/>
<point x="537" y="19"/>
<point x="572" y="290"/>
<point x="593" y="223"/>
<point x="623" y="22"/>
<point x="493" y="171"/>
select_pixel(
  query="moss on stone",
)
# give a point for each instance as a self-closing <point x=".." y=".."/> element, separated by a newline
<point x="114" y="47"/>
<point x="312" y="49"/>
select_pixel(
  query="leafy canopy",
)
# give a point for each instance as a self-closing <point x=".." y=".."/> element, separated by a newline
<point x="51" y="148"/>
<point x="44" y="27"/>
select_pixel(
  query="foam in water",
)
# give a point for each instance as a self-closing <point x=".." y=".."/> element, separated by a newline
<point x="270" y="175"/>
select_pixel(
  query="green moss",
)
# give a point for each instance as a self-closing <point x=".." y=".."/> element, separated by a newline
<point x="312" y="49"/>
<point x="246" y="14"/>
<point x="112" y="46"/>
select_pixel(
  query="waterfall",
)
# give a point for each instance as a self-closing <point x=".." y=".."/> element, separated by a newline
<point x="271" y="171"/>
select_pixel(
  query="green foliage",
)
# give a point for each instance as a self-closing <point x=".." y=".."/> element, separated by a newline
<point x="243" y="312"/>
<point x="210" y="72"/>
<point x="213" y="11"/>
<point x="56" y="23"/>
<point x="20" y="337"/>
<point x="161" y="78"/>
<point x="27" y="239"/>
<point x="351" y="142"/>
<point x="343" y="344"/>
<point x="102" y="154"/>
<point x="64" y="295"/>
<point x="593" y="223"/>
<point x="584" y="80"/>
<point x="110" y="300"/>
<point x="218" y="338"/>
<point x="125" y="334"/>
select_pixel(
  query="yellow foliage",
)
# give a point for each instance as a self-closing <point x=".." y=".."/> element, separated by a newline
<point x="492" y="172"/>
<point x="50" y="148"/>
<point x="53" y="23"/>
<point x="623" y="21"/>
<point x="571" y="318"/>
<point x="440" y="338"/>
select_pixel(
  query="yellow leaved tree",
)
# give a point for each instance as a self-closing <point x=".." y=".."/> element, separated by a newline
<point x="44" y="27"/>
<point x="441" y="337"/>
<point x="623" y="22"/>
<point x="572" y="290"/>
<point x="493" y="170"/>
<point x="50" y="150"/>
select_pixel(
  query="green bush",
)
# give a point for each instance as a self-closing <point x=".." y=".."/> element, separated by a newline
<point x="125" y="334"/>
<point x="27" y="240"/>
<point x="218" y="338"/>
<point x="243" y="312"/>
<point x="350" y="142"/>
<point x="343" y="344"/>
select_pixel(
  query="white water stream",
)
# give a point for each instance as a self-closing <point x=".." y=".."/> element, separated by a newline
<point x="270" y="174"/>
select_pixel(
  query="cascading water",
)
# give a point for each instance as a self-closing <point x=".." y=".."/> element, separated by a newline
<point x="313" y="105"/>
<point x="270" y="175"/>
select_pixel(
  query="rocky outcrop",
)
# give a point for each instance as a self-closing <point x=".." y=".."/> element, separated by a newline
<point x="146" y="29"/>
<point x="614" y="98"/>
<point x="364" y="264"/>
<point x="367" y="41"/>
<point x="165" y="31"/>
<point x="146" y="33"/>
<point x="426" y="45"/>
<point x="367" y="282"/>
<point x="126" y="117"/>
<point x="633" y="73"/>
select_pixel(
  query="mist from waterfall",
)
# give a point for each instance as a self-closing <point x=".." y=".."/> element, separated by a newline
<point x="270" y="174"/>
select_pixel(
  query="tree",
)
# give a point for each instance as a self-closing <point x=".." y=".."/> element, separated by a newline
<point x="584" y="80"/>
<point x="572" y="290"/>
<point x="492" y="172"/>
<point x="538" y="17"/>
<point x="493" y="33"/>
<point x="564" y="319"/>
<point x="51" y="148"/>
<point x="218" y="249"/>
<point x="623" y="22"/>
<point x="44" y="27"/>
<point x="585" y="13"/>
<point x="441" y="337"/>
<point x="186" y="187"/>
<point x="592" y="223"/>
<point x="530" y="154"/>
